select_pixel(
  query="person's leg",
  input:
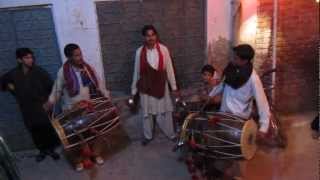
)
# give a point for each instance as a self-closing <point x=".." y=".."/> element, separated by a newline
<point x="74" y="157"/>
<point x="97" y="147"/>
<point x="49" y="140"/>
<point x="147" y="123"/>
<point x="165" y="123"/>
<point x="38" y="142"/>
<point x="42" y="132"/>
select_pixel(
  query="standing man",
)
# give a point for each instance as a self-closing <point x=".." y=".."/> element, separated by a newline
<point x="31" y="86"/>
<point x="153" y="73"/>
<point x="76" y="81"/>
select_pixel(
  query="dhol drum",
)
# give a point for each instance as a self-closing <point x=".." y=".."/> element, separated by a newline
<point x="86" y="121"/>
<point x="184" y="106"/>
<point x="219" y="135"/>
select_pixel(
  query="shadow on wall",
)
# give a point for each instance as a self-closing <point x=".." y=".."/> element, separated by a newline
<point x="219" y="53"/>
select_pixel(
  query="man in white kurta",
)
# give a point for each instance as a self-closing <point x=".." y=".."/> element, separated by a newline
<point x="160" y="108"/>
<point x="239" y="101"/>
<point x="241" y="85"/>
<point x="60" y="92"/>
<point x="77" y="81"/>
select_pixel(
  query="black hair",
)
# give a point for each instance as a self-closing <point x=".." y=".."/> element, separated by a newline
<point x="208" y="68"/>
<point x="244" y="51"/>
<point x="69" y="48"/>
<point x="21" y="52"/>
<point x="147" y="28"/>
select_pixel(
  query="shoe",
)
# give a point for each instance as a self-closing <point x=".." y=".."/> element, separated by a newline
<point x="99" y="160"/>
<point x="145" y="141"/>
<point x="79" y="167"/>
<point x="40" y="157"/>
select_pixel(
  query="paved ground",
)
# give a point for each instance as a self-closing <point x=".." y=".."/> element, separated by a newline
<point x="300" y="161"/>
<point x="153" y="162"/>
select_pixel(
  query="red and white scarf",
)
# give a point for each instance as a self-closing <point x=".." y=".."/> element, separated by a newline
<point x="143" y="59"/>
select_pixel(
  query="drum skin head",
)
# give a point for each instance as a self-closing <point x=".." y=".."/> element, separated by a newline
<point x="248" y="139"/>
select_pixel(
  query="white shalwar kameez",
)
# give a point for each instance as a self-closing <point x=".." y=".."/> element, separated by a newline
<point x="151" y="106"/>
<point x="240" y="101"/>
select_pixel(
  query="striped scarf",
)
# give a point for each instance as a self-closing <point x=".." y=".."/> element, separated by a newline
<point x="88" y="78"/>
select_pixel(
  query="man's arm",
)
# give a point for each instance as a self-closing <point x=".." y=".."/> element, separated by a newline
<point x="102" y="87"/>
<point x="101" y="84"/>
<point x="170" y="70"/>
<point x="136" y="72"/>
<point x="6" y="82"/>
<point x="46" y="80"/>
<point x="217" y="89"/>
<point x="262" y="104"/>
<point x="3" y="82"/>
<point x="56" y="91"/>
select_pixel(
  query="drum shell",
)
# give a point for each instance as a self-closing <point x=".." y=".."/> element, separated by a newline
<point x="219" y="135"/>
<point x="83" y="124"/>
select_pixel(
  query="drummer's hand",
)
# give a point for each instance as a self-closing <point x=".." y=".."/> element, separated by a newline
<point x="47" y="106"/>
<point x="131" y="100"/>
<point x="204" y="98"/>
<point x="11" y="87"/>
<point x="176" y="93"/>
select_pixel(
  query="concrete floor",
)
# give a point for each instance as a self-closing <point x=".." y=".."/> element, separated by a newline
<point x="299" y="161"/>
<point x="155" y="161"/>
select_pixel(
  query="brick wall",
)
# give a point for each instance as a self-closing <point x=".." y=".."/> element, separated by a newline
<point x="297" y="52"/>
<point x="181" y="27"/>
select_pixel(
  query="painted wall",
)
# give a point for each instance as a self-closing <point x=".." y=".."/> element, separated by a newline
<point x="218" y="19"/>
<point x="180" y="24"/>
<point x="75" y="22"/>
<point x="248" y="21"/>
<point x="219" y="32"/>
<point x="297" y="46"/>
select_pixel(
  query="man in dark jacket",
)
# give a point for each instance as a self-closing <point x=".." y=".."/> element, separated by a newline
<point x="31" y="86"/>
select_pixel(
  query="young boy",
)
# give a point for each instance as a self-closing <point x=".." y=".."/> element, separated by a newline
<point x="210" y="79"/>
<point x="31" y="86"/>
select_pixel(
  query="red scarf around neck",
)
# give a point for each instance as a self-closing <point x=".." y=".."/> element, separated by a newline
<point x="143" y="59"/>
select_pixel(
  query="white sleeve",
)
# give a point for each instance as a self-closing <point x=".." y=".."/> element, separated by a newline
<point x="136" y="72"/>
<point x="217" y="89"/>
<point x="57" y="88"/>
<point x="102" y="85"/>
<point x="170" y="70"/>
<point x="262" y="104"/>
